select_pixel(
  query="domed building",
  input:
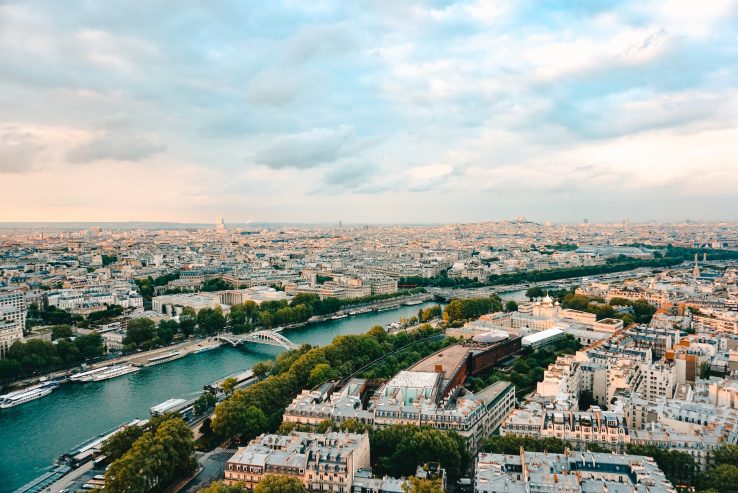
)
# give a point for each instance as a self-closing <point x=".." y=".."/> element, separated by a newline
<point x="546" y="308"/>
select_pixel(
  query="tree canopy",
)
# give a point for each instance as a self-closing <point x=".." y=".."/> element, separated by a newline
<point x="277" y="483"/>
<point x="397" y="450"/>
<point x="155" y="460"/>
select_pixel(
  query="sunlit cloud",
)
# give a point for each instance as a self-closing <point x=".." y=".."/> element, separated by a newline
<point x="291" y="111"/>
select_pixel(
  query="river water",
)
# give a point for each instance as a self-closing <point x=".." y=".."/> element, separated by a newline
<point x="32" y="435"/>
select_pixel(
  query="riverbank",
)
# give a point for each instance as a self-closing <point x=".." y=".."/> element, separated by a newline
<point x="191" y="346"/>
<point x="36" y="433"/>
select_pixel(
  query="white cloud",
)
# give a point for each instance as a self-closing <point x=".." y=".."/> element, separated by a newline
<point x="306" y="149"/>
<point x="115" y="145"/>
<point x="19" y="150"/>
<point x="307" y="102"/>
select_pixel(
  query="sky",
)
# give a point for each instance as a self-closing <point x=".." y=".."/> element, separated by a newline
<point x="368" y="111"/>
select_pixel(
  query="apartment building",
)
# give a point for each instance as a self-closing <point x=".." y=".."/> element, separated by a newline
<point x="725" y="323"/>
<point x="12" y="318"/>
<point x="608" y="429"/>
<point x="322" y="462"/>
<point x="408" y="398"/>
<point x="571" y="472"/>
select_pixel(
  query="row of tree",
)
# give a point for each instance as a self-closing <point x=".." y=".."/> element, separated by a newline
<point x="467" y="309"/>
<point x="156" y="458"/>
<point x="643" y="311"/>
<point x="38" y="357"/>
<point x="670" y="257"/>
<point x="249" y="316"/>
<point x="50" y="315"/>
<point x="270" y="483"/>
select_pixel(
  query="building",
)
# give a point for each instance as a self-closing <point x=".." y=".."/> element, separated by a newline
<point x="726" y="323"/>
<point x="570" y="472"/>
<point x="220" y="226"/>
<point x="542" y="338"/>
<point x="322" y="462"/>
<point x="12" y="318"/>
<point x="408" y="398"/>
<point x="173" y="304"/>
<point x="257" y="294"/>
<point x="365" y="482"/>
<point x="608" y="429"/>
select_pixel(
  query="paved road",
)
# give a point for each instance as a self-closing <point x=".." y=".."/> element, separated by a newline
<point x="212" y="465"/>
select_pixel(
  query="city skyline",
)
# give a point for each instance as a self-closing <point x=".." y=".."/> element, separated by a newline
<point x="391" y="112"/>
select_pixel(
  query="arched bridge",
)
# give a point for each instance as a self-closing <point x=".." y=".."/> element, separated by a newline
<point x="267" y="337"/>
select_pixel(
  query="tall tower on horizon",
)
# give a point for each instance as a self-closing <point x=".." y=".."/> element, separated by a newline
<point x="220" y="226"/>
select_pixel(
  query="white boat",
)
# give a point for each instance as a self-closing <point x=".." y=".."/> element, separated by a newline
<point x="114" y="371"/>
<point x="86" y="376"/>
<point x="26" y="395"/>
<point x="156" y="360"/>
<point x="413" y="302"/>
<point x="338" y="317"/>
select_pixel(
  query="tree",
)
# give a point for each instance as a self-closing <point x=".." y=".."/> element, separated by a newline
<point x="157" y="458"/>
<point x="534" y="293"/>
<point x="235" y="418"/>
<point x="320" y="374"/>
<point x="262" y="369"/>
<point x="276" y="483"/>
<point x="187" y="321"/>
<point x="204" y="402"/>
<point x="61" y="331"/>
<point x="139" y="331"/>
<point x="727" y="454"/>
<point x="470" y="308"/>
<point x="723" y="479"/>
<point x="210" y="321"/>
<point x="510" y="444"/>
<point x="117" y="445"/>
<point x="228" y="385"/>
<point x="678" y="467"/>
<point x="398" y="449"/>
<point x="417" y="485"/>
<point x="220" y="487"/>
<point x="511" y="306"/>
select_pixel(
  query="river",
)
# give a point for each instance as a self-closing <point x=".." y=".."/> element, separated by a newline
<point x="34" y="434"/>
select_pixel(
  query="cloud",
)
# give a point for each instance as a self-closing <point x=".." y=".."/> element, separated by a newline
<point x="19" y="150"/>
<point x="306" y="149"/>
<point x="321" y="41"/>
<point x="349" y="177"/>
<point x="114" y="146"/>
<point x="275" y="87"/>
<point x="320" y="104"/>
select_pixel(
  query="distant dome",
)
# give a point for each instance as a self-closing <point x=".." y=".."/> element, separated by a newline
<point x="547" y="300"/>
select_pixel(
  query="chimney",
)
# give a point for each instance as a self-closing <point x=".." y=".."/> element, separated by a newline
<point x="438" y="368"/>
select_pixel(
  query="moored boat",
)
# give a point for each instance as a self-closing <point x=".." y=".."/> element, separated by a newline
<point x="22" y="396"/>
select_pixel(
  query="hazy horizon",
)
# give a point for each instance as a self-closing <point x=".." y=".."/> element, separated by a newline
<point x="411" y="111"/>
